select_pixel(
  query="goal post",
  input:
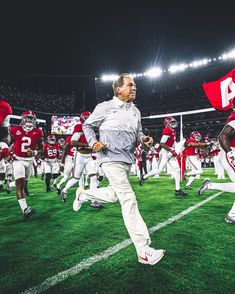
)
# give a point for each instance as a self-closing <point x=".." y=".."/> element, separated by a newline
<point x="181" y="135"/>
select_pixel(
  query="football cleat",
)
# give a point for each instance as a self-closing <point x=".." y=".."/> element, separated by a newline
<point x="150" y="255"/>
<point x="63" y="196"/>
<point x="77" y="203"/>
<point x="48" y="190"/>
<point x="28" y="212"/>
<point x="141" y="181"/>
<point x="230" y="219"/>
<point x="188" y="187"/>
<point x="96" y="204"/>
<point x="180" y="193"/>
<point x="58" y="191"/>
<point x="204" y="187"/>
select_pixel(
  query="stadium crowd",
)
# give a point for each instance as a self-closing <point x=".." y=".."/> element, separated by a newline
<point x="39" y="102"/>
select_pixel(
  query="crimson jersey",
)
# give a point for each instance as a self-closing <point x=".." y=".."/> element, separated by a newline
<point x="4" y="153"/>
<point x="82" y="139"/>
<point x="72" y="149"/>
<point x="78" y="129"/>
<point x="24" y="140"/>
<point x="51" y="151"/>
<point x="5" y="110"/>
<point x="231" y="118"/>
<point x="171" y="134"/>
<point x="190" y="149"/>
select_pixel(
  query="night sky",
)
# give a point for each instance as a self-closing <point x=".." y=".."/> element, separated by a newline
<point x="96" y="37"/>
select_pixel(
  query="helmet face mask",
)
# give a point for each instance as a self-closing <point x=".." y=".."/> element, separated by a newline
<point x="196" y="135"/>
<point x="51" y="139"/>
<point x="170" y="122"/>
<point x="84" y="116"/>
<point x="61" y="141"/>
<point x="28" y="121"/>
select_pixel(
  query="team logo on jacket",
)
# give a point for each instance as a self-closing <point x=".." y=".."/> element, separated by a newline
<point x="18" y="132"/>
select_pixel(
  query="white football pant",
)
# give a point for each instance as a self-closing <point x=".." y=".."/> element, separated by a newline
<point x="119" y="189"/>
<point x="164" y="158"/>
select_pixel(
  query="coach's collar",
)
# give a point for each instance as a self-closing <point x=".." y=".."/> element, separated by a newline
<point x="121" y="103"/>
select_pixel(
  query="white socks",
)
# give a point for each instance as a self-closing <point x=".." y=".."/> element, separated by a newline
<point x="23" y="204"/>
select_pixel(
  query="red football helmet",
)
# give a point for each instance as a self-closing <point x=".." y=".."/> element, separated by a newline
<point x="84" y="116"/>
<point x="170" y="122"/>
<point x="196" y="135"/>
<point x="28" y="120"/>
<point x="61" y="141"/>
<point x="51" y="139"/>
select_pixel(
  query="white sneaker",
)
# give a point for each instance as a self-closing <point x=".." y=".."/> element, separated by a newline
<point x="150" y="255"/>
<point x="204" y="187"/>
<point x="230" y="219"/>
<point x="77" y="203"/>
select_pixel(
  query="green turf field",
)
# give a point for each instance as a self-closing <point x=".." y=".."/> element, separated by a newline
<point x="60" y="251"/>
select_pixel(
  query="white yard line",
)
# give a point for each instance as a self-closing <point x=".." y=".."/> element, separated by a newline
<point x="85" y="264"/>
<point x="12" y="197"/>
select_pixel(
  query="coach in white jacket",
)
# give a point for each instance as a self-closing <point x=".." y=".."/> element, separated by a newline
<point x="119" y="124"/>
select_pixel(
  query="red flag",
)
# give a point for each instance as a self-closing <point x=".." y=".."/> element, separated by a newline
<point x="221" y="92"/>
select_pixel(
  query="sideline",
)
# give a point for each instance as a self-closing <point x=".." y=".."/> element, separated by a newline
<point x="85" y="264"/>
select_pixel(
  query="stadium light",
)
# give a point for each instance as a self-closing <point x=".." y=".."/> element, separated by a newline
<point x="177" y="67"/>
<point x="154" y="72"/>
<point x="106" y="78"/>
<point x="157" y="71"/>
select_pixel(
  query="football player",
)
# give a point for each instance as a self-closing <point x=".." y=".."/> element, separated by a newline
<point x="67" y="163"/>
<point x="167" y="154"/>
<point x="82" y="160"/>
<point x="3" y="154"/>
<point x="28" y="141"/>
<point x="5" y="112"/>
<point x="216" y="154"/>
<point x="193" y="160"/>
<point x="51" y="163"/>
<point x="227" y="143"/>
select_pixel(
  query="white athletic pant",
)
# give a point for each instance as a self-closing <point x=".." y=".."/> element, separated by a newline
<point x="229" y="166"/>
<point x="82" y="161"/>
<point x="51" y="166"/>
<point x="68" y="167"/>
<point x="195" y="165"/>
<point x="219" y="170"/>
<point x="164" y="158"/>
<point x="22" y="168"/>
<point x="119" y="189"/>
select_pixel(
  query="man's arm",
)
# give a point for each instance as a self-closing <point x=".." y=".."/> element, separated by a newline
<point x="94" y="121"/>
<point x="75" y="140"/>
<point x="65" y="152"/>
<point x="224" y="137"/>
<point x="200" y="144"/>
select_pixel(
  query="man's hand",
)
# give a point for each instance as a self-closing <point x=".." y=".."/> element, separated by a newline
<point x="98" y="146"/>
<point x="147" y="140"/>
<point x="30" y="152"/>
